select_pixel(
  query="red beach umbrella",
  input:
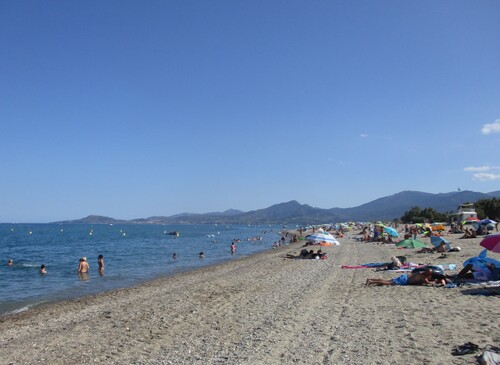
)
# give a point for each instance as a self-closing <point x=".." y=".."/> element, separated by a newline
<point x="491" y="242"/>
<point x="472" y="219"/>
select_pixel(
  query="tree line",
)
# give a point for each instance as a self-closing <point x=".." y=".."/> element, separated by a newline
<point x="485" y="208"/>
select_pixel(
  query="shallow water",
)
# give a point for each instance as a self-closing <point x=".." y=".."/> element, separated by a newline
<point x="132" y="254"/>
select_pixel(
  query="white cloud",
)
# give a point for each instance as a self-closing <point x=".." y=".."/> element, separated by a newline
<point x="478" y="169"/>
<point x="491" y="127"/>
<point x="486" y="177"/>
<point x="363" y="135"/>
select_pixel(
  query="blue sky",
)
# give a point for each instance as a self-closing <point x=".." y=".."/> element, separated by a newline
<point x="137" y="108"/>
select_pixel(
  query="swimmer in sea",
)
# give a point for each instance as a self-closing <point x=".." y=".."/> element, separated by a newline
<point x="83" y="266"/>
<point x="202" y="255"/>
<point x="174" y="256"/>
<point x="100" y="262"/>
<point x="43" y="270"/>
<point x="9" y="263"/>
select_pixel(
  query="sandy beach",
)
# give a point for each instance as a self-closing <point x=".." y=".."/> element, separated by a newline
<point x="265" y="309"/>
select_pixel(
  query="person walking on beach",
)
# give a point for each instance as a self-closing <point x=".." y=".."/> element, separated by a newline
<point x="100" y="263"/>
<point x="233" y="248"/>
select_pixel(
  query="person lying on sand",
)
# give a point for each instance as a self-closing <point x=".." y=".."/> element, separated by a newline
<point x="396" y="263"/>
<point x="476" y="272"/>
<point x="304" y="254"/>
<point x="418" y="278"/>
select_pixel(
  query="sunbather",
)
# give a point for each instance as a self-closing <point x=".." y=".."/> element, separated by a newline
<point x="418" y="278"/>
<point x="396" y="263"/>
<point x="469" y="233"/>
<point x="476" y="272"/>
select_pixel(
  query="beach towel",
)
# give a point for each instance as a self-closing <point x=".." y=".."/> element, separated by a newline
<point x="365" y="266"/>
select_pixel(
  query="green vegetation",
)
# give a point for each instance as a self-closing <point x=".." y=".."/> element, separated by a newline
<point x="418" y="215"/>
<point x="488" y="208"/>
<point x="485" y="208"/>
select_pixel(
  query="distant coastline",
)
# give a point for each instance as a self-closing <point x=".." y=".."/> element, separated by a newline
<point x="292" y="212"/>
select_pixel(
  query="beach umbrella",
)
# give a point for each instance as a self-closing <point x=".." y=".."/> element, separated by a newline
<point x="487" y="221"/>
<point x="491" y="242"/>
<point x="411" y="243"/>
<point x="437" y="240"/>
<point x="391" y="231"/>
<point x="472" y="219"/>
<point x="482" y="260"/>
<point x="322" y="237"/>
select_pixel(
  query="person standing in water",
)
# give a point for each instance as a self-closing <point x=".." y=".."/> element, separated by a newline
<point x="83" y="266"/>
<point x="100" y="263"/>
<point x="83" y="269"/>
<point x="43" y="270"/>
<point x="233" y="248"/>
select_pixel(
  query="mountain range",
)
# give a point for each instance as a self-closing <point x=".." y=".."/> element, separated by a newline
<point x="292" y="212"/>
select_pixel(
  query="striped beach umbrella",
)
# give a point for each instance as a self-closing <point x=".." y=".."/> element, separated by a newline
<point x="322" y="237"/>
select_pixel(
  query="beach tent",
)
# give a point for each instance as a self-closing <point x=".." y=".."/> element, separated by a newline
<point x="437" y="226"/>
<point x="437" y="240"/>
<point x="411" y="243"/>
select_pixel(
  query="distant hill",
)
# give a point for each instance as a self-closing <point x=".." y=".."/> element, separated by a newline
<point x="95" y="219"/>
<point x="394" y="206"/>
<point x="292" y="212"/>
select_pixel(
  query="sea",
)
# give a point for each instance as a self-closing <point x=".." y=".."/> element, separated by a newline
<point x="132" y="254"/>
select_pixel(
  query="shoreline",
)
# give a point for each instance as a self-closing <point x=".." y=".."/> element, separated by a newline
<point x="148" y="255"/>
<point x="144" y="282"/>
<point x="262" y="309"/>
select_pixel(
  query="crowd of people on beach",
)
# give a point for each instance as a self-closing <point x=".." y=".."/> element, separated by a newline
<point x="476" y="269"/>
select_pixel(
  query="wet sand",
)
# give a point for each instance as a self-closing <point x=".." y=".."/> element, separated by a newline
<point x="264" y="309"/>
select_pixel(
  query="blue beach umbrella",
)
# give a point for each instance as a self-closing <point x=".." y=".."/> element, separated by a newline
<point x="482" y="260"/>
<point x="487" y="221"/>
<point x="437" y="240"/>
<point x="391" y="231"/>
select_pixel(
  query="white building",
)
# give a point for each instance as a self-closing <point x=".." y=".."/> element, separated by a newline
<point x="465" y="211"/>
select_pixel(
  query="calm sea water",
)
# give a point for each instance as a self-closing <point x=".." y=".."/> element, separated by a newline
<point x="132" y="254"/>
